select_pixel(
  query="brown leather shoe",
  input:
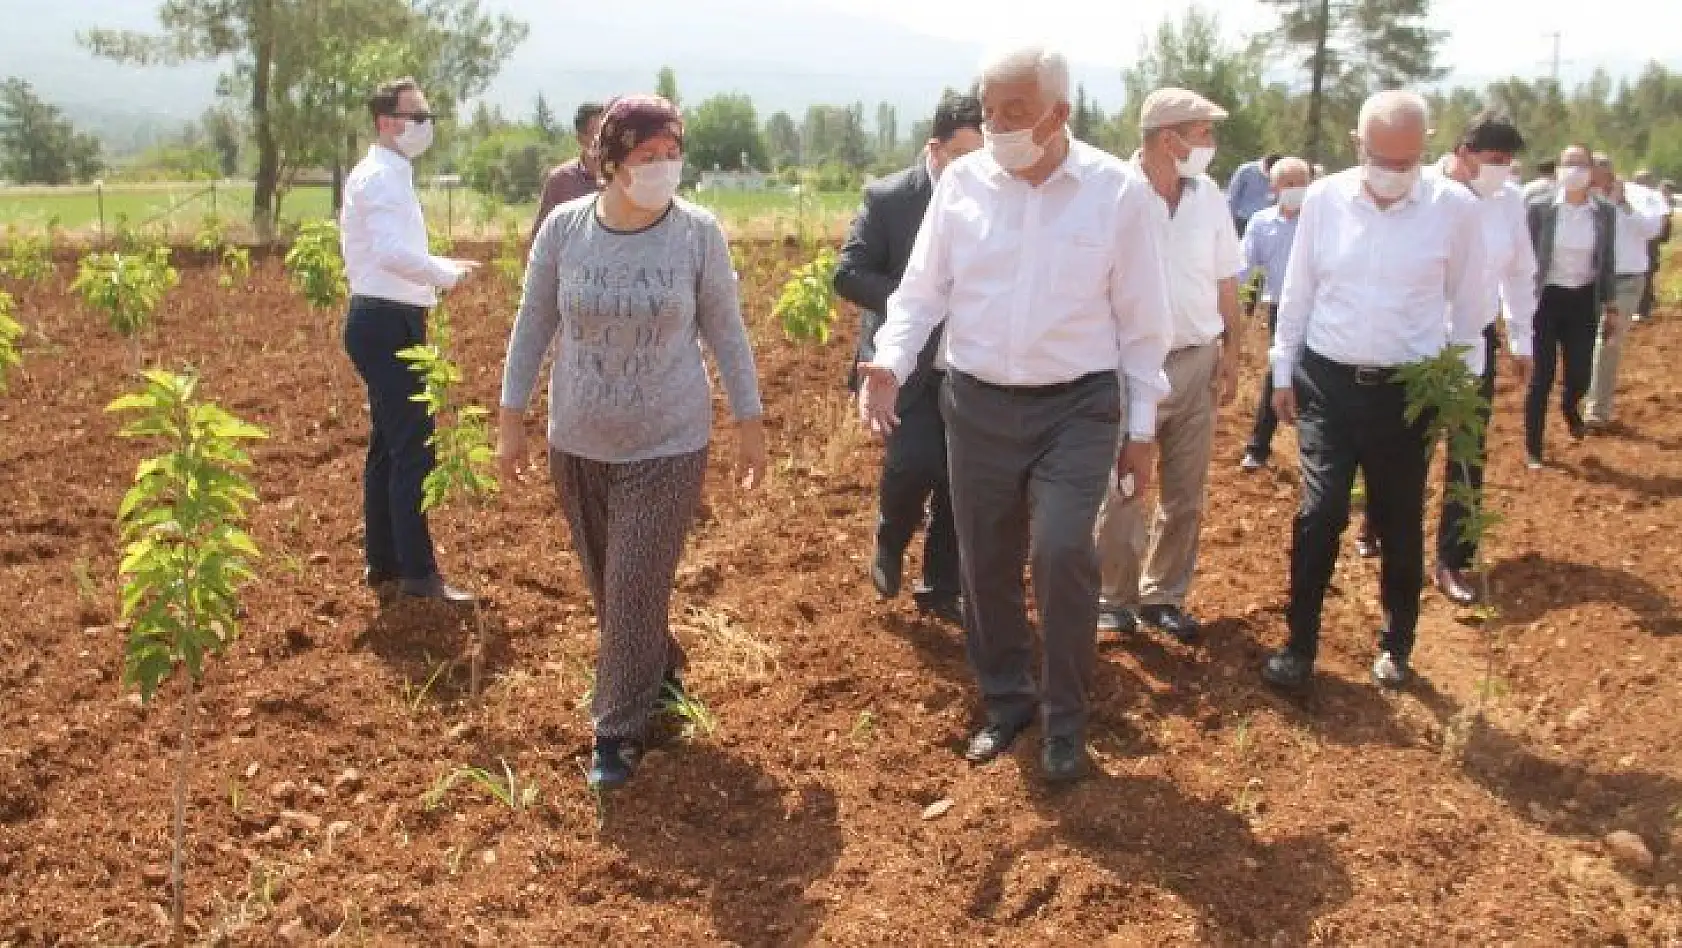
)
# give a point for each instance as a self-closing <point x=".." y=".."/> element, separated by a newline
<point x="1456" y="586"/>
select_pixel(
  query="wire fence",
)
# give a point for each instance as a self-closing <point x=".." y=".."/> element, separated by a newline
<point x="95" y="214"/>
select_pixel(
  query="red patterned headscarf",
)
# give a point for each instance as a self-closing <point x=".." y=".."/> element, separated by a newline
<point x="630" y="121"/>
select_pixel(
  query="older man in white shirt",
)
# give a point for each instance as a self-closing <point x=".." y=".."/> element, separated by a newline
<point x="1387" y="270"/>
<point x="393" y="281"/>
<point x="1152" y="568"/>
<point x="1040" y="254"/>
<point x="1642" y="213"/>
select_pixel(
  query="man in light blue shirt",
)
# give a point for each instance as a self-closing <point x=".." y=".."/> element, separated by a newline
<point x="1250" y="190"/>
<point x="1267" y="247"/>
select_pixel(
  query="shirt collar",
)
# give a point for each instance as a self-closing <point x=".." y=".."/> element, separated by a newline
<point x="389" y="156"/>
<point x="1074" y="164"/>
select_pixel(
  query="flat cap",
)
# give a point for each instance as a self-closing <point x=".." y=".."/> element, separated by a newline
<point x="1171" y="106"/>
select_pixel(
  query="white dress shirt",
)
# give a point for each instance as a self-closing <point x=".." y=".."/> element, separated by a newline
<point x="1371" y="287"/>
<point x="1199" y="249"/>
<point x="1638" y="223"/>
<point x="1510" y="261"/>
<point x="1038" y="285"/>
<point x="383" y="234"/>
<point x="1574" y="236"/>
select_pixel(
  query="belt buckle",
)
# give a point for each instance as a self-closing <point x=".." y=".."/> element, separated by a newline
<point x="1370" y="375"/>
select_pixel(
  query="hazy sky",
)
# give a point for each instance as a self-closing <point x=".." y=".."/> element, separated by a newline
<point x="1486" y="37"/>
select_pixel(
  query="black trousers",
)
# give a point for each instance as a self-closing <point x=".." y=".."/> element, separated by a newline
<point x="1261" y="434"/>
<point x="915" y="490"/>
<point x="396" y="538"/>
<point x="1566" y="324"/>
<point x="1453" y="549"/>
<point x="1348" y="420"/>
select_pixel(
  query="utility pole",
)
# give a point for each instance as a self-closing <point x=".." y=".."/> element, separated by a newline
<point x="1555" y="62"/>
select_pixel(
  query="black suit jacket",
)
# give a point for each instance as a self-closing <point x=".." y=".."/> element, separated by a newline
<point x="873" y="261"/>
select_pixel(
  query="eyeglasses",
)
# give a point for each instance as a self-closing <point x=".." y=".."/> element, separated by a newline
<point x="421" y="117"/>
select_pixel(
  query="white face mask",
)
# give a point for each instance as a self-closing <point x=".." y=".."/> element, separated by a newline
<point x="653" y="184"/>
<point x="1490" y="180"/>
<point x="1291" y="198"/>
<point x="1195" y="163"/>
<point x="415" y="139"/>
<point x="1015" y="151"/>
<point x="1573" y="178"/>
<point x="1390" y="185"/>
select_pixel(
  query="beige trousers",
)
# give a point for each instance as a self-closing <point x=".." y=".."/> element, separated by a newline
<point x="1155" y="566"/>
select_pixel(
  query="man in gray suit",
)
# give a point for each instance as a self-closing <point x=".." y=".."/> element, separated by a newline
<point x="914" y="476"/>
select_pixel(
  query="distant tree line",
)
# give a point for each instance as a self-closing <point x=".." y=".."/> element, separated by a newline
<point x="292" y="101"/>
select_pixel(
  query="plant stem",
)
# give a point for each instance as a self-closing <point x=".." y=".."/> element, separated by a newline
<point x="178" y="912"/>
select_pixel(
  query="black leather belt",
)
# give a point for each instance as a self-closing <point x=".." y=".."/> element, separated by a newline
<point x="1361" y="374"/>
<point x="1034" y="391"/>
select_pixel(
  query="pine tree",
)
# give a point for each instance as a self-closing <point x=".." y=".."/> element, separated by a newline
<point x="544" y="118"/>
<point x="1360" y="46"/>
<point x="665" y="86"/>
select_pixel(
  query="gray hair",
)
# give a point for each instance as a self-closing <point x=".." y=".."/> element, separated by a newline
<point x="1394" y="107"/>
<point x="1048" y="69"/>
<point x="1285" y="166"/>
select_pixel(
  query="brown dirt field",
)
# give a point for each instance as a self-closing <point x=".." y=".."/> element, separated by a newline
<point x="1223" y="813"/>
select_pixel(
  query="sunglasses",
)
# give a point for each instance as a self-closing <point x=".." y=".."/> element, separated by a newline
<point x="421" y="117"/>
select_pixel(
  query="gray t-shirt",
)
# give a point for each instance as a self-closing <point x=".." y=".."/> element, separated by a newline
<point x="629" y="312"/>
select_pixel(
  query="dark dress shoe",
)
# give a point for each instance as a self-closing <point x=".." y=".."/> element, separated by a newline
<point x="613" y="762"/>
<point x="886" y="572"/>
<point x="1063" y="759"/>
<point x="434" y="587"/>
<point x="1575" y="428"/>
<point x="993" y="740"/>
<point x="1366" y="544"/>
<point x="1389" y="671"/>
<point x="1252" y="463"/>
<point x="1456" y="586"/>
<point x="1288" y="670"/>
<point x="1119" y="621"/>
<point x="948" y="609"/>
<point x="384" y="586"/>
<point x="1172" y="620"/>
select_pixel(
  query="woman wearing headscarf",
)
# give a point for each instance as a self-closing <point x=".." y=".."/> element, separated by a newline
<point x="632" y="283"/>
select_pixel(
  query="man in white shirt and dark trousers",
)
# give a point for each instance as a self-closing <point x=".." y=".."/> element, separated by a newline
<point x="1267" y="246"/>
<point x="1040" y="253"/>
<point x="393" y="281"/>
<point x="1152" y="567"/>
<point x="1387" y="270"/>
<point x="1481" y="163"/>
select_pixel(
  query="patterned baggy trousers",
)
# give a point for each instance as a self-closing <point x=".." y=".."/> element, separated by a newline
<point x="629" y="522"/>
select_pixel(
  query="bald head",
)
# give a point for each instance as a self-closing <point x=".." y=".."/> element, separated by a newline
<point x="1394" y="109"/>
<point x="1290" y="173"/>
<point x="1393" y="127"/>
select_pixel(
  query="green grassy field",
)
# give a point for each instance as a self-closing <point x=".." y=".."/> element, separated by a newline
<point x="181" y="209"/>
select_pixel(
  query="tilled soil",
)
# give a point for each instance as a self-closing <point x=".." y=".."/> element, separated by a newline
<point x="831" y="804"/>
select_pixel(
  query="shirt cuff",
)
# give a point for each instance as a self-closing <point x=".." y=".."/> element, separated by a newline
<point x="1474" y="357"/>
<point x="1282" y="370"/>
<point x="894" y="361"/>
<point x="1141" y="417"/>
